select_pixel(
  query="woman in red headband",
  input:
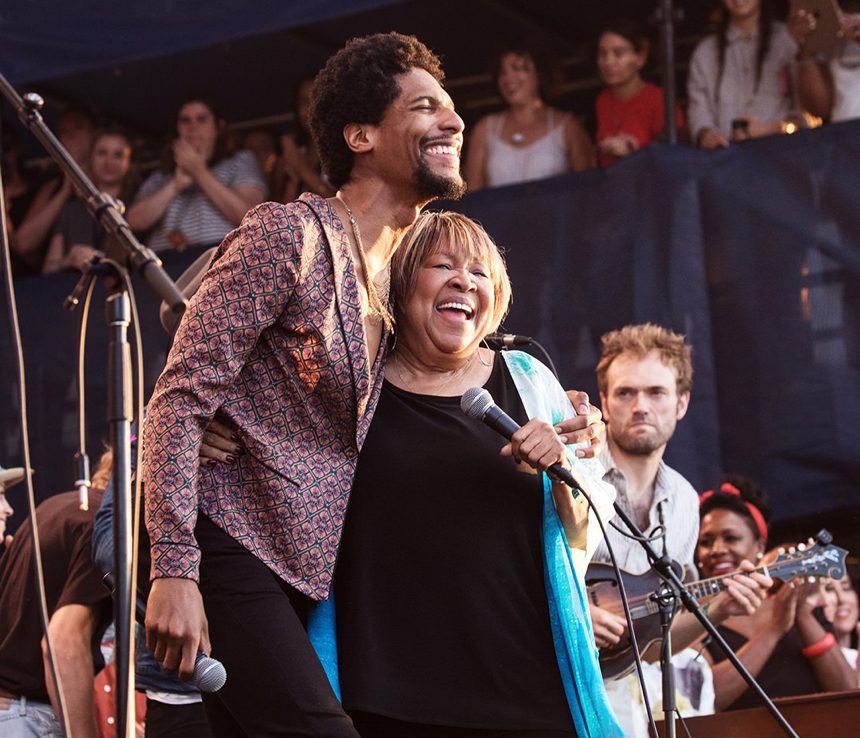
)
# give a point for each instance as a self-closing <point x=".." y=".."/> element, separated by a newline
<point x="782" y="644"/>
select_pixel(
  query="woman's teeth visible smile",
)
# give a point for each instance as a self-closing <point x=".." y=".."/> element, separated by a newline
<point x="464" y="307"/>
<point x="722" y="568"/>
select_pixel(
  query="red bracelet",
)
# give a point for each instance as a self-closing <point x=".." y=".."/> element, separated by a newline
<point x="820" y="648"/>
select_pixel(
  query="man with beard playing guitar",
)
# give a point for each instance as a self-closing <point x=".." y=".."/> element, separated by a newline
<point x="645" y="376"/>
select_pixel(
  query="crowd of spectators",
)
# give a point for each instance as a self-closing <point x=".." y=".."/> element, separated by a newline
<point x="753" y="76"/>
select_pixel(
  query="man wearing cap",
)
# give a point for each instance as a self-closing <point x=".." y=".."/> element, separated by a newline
<point x="79" y="610"/>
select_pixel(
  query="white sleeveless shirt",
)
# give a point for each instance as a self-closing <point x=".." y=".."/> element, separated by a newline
<point x="509" y="164"/>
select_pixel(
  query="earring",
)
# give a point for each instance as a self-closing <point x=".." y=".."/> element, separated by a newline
<point x="480" y="358"/>
<point x="759" y="555"/>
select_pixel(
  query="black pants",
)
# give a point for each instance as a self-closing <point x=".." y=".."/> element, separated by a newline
<point x="377" y="726"/>
<point x="176" y="721"/>
<point x="276" y="685"/>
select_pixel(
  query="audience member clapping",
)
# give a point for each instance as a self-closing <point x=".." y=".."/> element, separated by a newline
<point x="529" y="140"/>
<point x="844" y="616"/>
<point x="202" y="191"/>
<point x="829" y="84"/>
<point x="19" y="188"/>
<point x="75" y="130"/>
<point x="77" y="235"/>
<point x="629" y="110"/>
<point x="782" y="644"/>
<point x="742" y="73"/>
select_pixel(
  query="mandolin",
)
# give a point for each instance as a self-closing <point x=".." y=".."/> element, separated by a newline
<point x="815" y="560"/>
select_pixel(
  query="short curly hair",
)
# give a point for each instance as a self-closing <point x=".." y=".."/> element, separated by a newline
<point x="357" y="85"/>
<point x="641" y="340"/>
<point x="437" y="231"/>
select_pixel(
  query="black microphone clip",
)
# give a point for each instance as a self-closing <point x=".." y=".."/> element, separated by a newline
<point x="502" y="341"/>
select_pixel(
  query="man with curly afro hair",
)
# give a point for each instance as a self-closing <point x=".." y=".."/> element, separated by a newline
<point x="285" y="340"/>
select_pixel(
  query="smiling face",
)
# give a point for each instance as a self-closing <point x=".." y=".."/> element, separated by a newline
<point x="111" y="159"/>
<point x="725" y="539"/>
<point x="618" y="61"/>
<point x="452" y="306"/>
<point x="518" y="79"/>
<point x="196" y="124"/>
<point x="845" y="607"/>
<point x="419" y="140"/>
<point x="641" y="404"/>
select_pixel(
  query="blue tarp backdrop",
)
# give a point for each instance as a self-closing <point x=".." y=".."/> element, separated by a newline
<point x="753" y="252"/>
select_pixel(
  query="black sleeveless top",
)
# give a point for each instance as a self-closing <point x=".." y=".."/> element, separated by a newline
<point x="442" y="613"/>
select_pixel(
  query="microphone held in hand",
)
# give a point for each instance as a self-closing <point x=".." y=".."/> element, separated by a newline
<point x="209" y="674"/>
<point x="477" y="403"/>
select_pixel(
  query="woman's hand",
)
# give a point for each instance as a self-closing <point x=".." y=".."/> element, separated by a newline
<point x="711" y="139"/>
<point x="188" y="159"/>
<point x="745" y="589"/>
<point x="537" y="444"/>
<point x="784" y="608"/>
<point x="219" y="445"/>
<point x="620" y="145"/>
<point x="800" y="24"/>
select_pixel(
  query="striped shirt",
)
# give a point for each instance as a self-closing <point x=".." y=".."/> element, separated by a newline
<point x="191" y="218"/>
<point x="674" y="499"/>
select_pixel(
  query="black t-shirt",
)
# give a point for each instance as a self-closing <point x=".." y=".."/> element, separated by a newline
<point x="442" y="611"/>
<point x="71" y="577"/>
<point x="787" y="673"/>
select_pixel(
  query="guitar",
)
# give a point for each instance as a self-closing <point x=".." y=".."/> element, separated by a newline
<point x="816" y="560"/>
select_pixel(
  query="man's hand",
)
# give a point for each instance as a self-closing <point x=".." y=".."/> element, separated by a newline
<point x="176" y="626"/>
<point x="587" y="425"/>
<point x="608" y="628"/>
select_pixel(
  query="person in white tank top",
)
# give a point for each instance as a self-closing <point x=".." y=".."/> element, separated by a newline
<point x="530" y="140"/>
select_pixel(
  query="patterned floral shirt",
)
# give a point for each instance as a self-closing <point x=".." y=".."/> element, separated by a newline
<point x="273" y="341"/>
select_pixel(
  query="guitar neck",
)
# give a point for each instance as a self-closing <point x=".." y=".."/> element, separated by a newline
<point x="709" y="587"/>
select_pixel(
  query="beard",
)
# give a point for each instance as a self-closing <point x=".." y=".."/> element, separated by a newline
<point x="640" y="444"/>
<point x="436" y="186"/>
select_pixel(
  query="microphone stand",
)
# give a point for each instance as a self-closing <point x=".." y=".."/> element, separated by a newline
<point x="666" y="597"/>
<point x="142" y="261"/>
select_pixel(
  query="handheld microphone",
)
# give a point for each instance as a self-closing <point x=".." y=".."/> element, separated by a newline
<point x="477" y="403"/>
<point x="82" y="483"/>
<point x="501" y="341"/>
<point x="209" y="674"/>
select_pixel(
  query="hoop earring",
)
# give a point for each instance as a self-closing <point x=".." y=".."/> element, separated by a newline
<point x="392" y="340"/>
<point x="480" y="358"/>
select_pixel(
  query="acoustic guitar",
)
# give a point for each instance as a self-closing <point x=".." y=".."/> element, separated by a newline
<point x="815" y="560"/>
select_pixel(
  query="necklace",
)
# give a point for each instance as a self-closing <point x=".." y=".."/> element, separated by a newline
<point x="518" y="138"/>
<point x="377" y="308"/>
<point x="460" y="372"/>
